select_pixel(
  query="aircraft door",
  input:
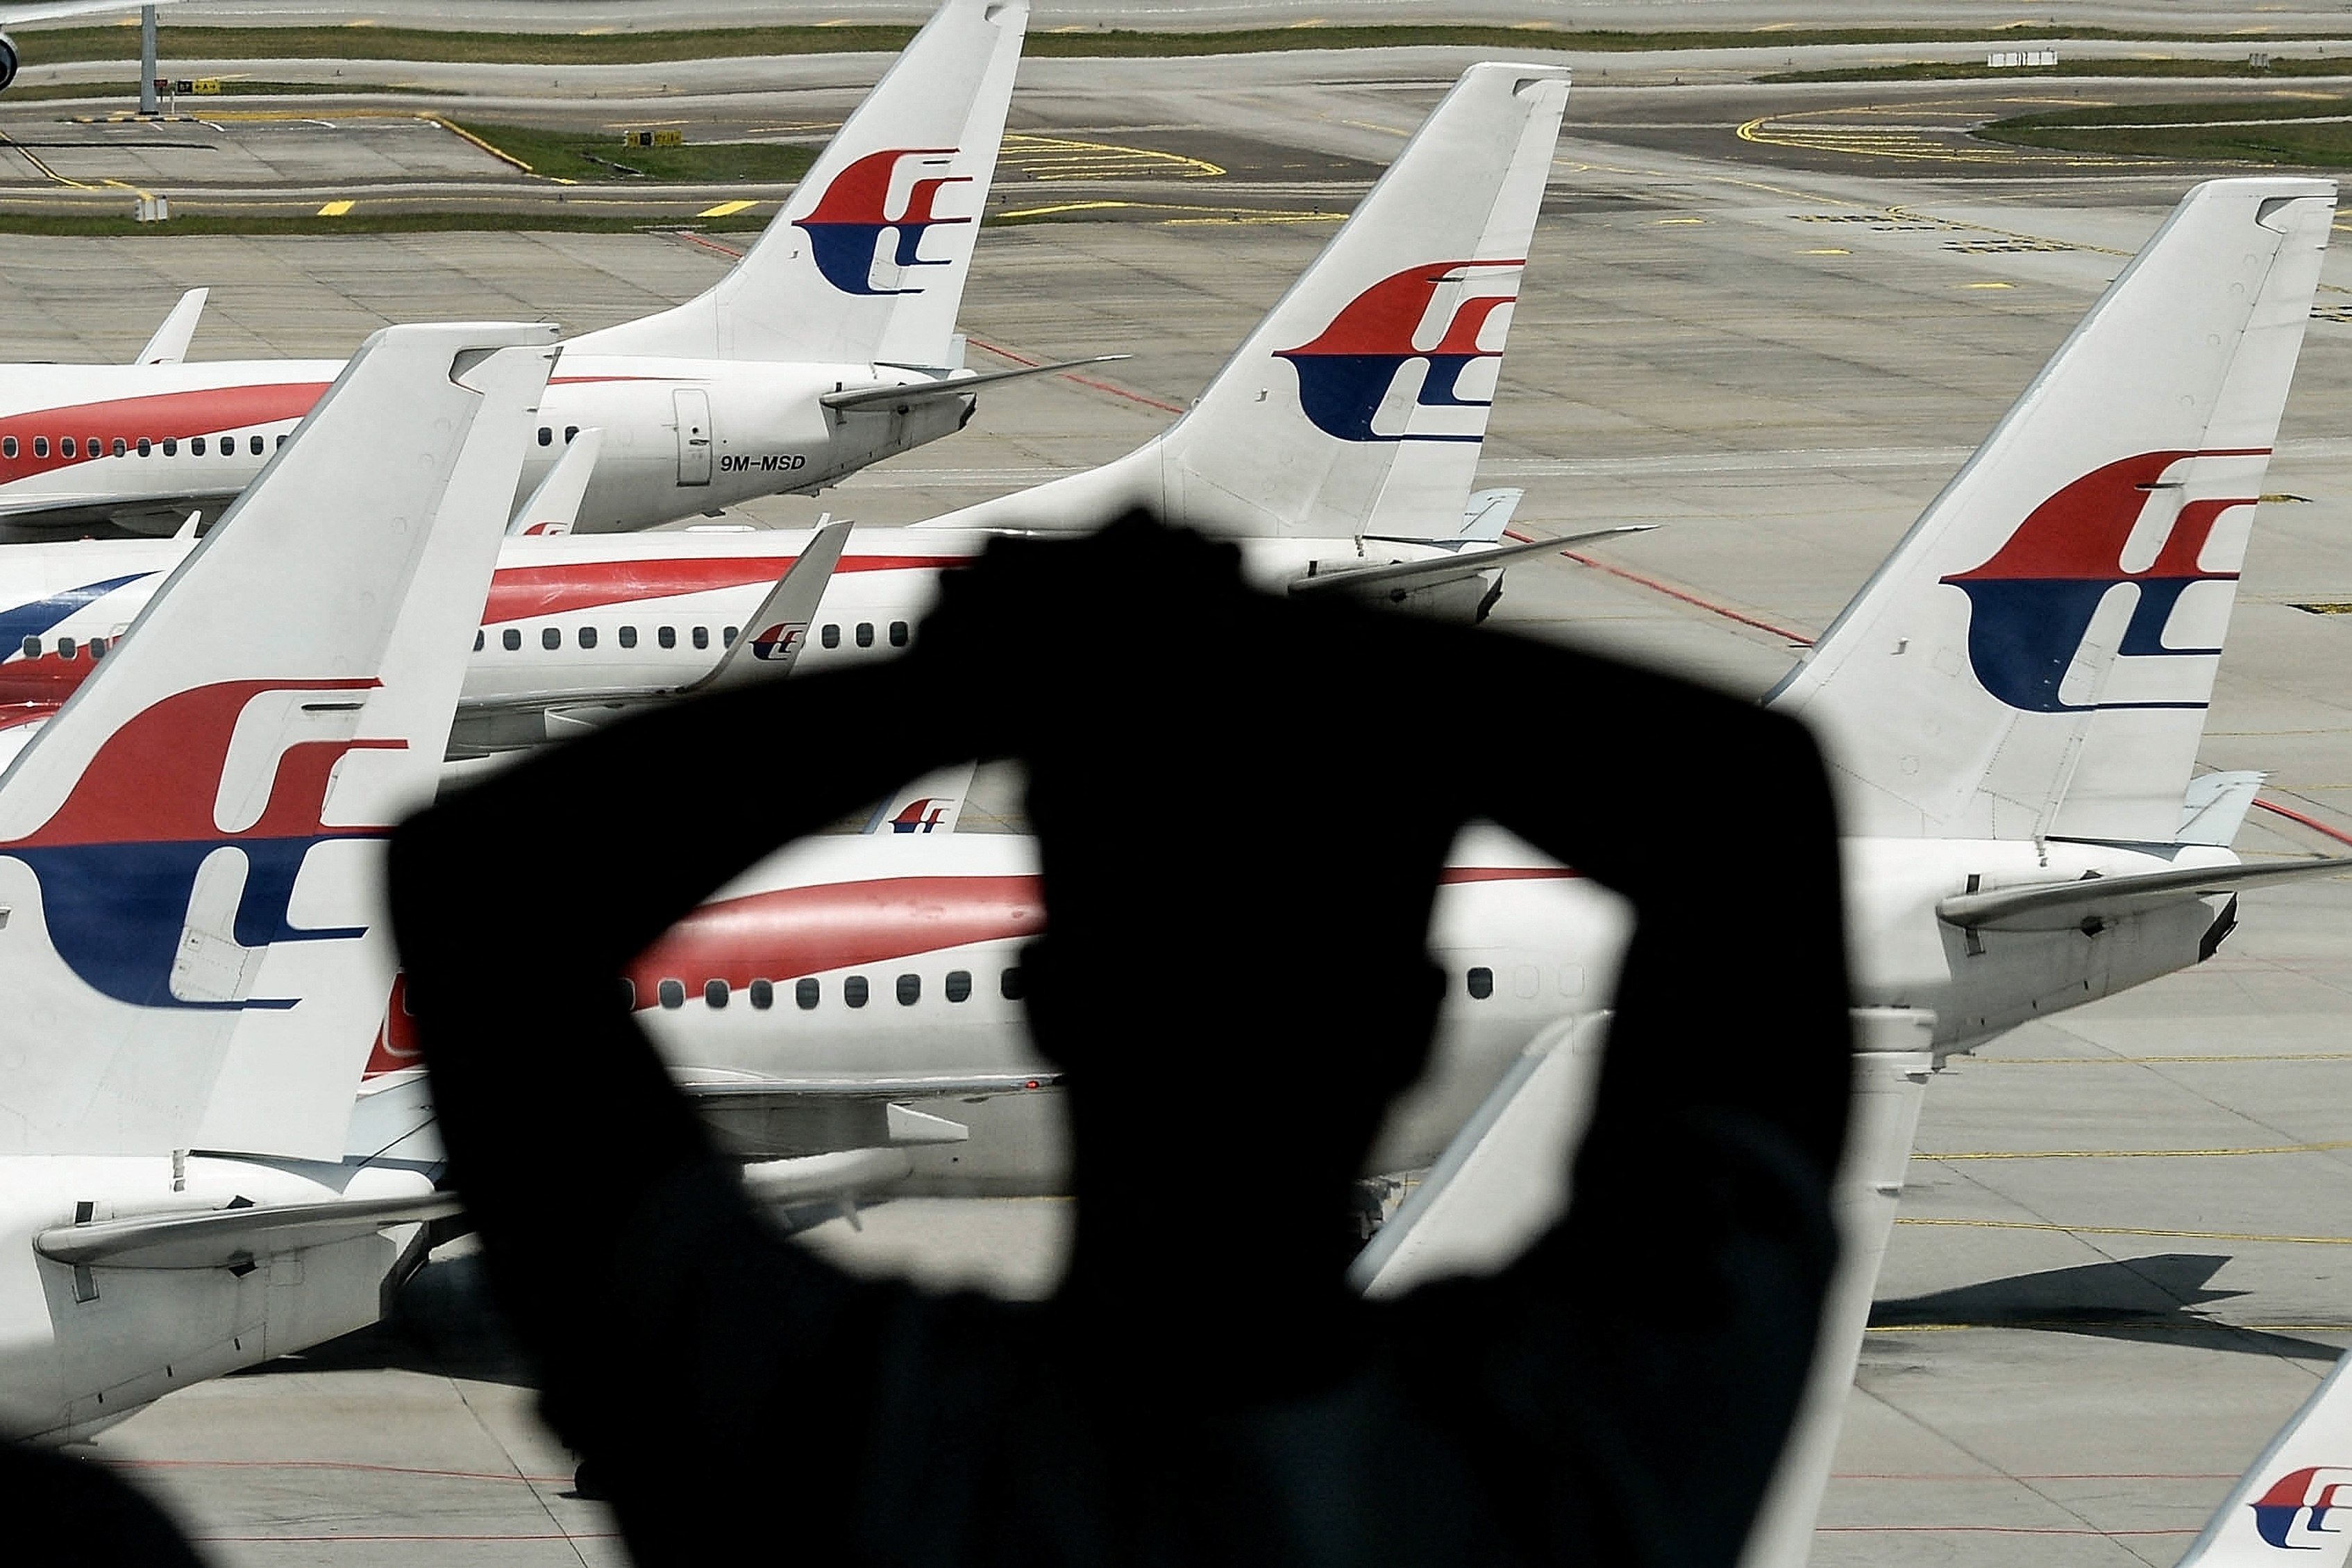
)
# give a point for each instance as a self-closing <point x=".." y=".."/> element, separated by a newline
<point x="693" y="405"/>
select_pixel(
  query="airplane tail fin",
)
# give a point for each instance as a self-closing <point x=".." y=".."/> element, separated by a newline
<point x="865" y="263"/>
<point x="1358" y="408"/>
<point x="190" y="848"/>
<point x="2282" y="1503"/>
<point x="2036" y="657"/>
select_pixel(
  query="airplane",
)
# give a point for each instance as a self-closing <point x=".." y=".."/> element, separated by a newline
<point x="829" y="346"/>
<point x="190" y="870"/>
<point x="2012" y="704"/>
<point x="579" y="628"/>
<point x="11" y="57"/>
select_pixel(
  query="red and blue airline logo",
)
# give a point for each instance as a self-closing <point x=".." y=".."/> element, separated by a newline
<point x="118" y="859"/>
<point x="922" y="816"/>
<point x="779" y="640"/>
<point x="1345" y="374"/>
<point x="2030" y="606"/>
<point x="2293" y="1514"/>
<point x="845" y="227"/>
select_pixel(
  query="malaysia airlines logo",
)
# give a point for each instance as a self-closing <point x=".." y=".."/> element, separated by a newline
<point x="846" y="228"/>
<point x="921" y="816"/>
<point x="1445" y="317"/>
<point x="135" y="903"/>
<point x="2031" y="605"/>
<point x="780" y="641"/>
<point x="2293" y="1515"/>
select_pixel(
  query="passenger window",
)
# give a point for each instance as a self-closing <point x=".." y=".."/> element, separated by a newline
<point x="804" y="995"/>
<point x="830" y="637"/>
<point x="281" y="441"/>
<point x="628" y="995"/>
<point x="546" y="436"/>
<point x="898" y="634"/>
<point x="40" y="446"/>
<point x="170" y="446"/>
<point x="32" y="647"/>
<point x="96" y="649"/>
<point x="702" y="636"/>
<point x="569" y="432"/>
<point x="8" y="446"/>
<point x="120" y="447"/>
<point x="727" y="638"/>
<point x="1009" y="984"/>
<point x="66" y="446"/>
<point x="763" y="994"/>
<point x="196" y="446"/>
<point x="587" y="636"/>
<point x="477" y="639"/>
<point x="714" y="993"/>
<point x="228" y="446"/>
<point x="1482" y="982"/>
<point x="853" y="990"/>
<point x="65" y="647"/>
<point x="911" y="990"/>
<point x="550" y="637"/>
<point x="959" y="986"/>
<point x="865" y="634"/>
<point x="672" y="993"/>
<point x="146" y="448"/>
<point x="256" y="446"/>
<point x="511" y="638"/>
<point x="629" y="636"/>
<point x="666" y="636"/>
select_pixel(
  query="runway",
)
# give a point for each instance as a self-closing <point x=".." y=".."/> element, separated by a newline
<point x="2126" y="1251"/>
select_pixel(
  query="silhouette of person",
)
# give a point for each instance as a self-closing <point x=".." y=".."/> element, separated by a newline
<point x="1242" y="804"/>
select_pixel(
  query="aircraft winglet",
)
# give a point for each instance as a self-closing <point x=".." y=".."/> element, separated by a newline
<point x="169" y="346"/>
<point x="553" y="508"/>
<point x="2281" y="1505"/>
<point x="777" y="632"/>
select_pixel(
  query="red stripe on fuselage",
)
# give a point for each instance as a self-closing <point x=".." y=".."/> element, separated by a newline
<point x="1459" y="873"/>
<point x="799" y="931"/>
<point x="522" y="592"/>
<point x="161" y="416"/>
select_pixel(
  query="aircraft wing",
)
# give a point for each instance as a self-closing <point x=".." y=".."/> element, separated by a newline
<point x="2098" y="901"/>
<point x="230" y="1237"/>
<point x="2281" y="1505"/>
<point x="770" y="1119"/>
<point x="899" y="398"/>
<point x="1420" y="573"/>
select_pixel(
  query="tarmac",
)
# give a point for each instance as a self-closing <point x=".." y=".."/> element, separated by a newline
<point x="2125" y="1252"/>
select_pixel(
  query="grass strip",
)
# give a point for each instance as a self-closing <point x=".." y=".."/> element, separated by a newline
<point x="1968" y="71"/>
<point x="2187" y="132"/>
<point x="601" y="159"/>
<point x="68" y="44"/>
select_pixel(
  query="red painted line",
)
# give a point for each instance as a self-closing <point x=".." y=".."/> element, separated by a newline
<point x="1984" y="1529"/>
<point x="1089" y="381"/>
<point x="725" y="250"/>
<point x="2042" y="1476"/>
<point x="2314" y="823"/>
<point x="1654" y="586"/>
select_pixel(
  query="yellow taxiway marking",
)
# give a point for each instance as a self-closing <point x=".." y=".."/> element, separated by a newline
<point x="334" y="209"/>
<point x="726" y="209"/>
<point x="1987" y="285"/>
<point x="1203" y="214"/>
<point x="1826" y="250"/>
<point x="1062" y="158"/>
<point x="1674" y="223"/>
<point x="2156" y="1061"/>
<point x="2136" y="1154"/>
<point x="2127" y="1230"/>
<point x="2137" y="1325"/>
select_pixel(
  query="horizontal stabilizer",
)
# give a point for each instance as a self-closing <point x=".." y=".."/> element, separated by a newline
<point x="2097" y="901"/>
<point x="2280" y="1506"/>
<point x="229" y="1237"/>
<point x="1422" y="573"/>
<point x="777" y="632"/>
<point x="745" y="1089"/>
<point x="900" y="396"/>
<point x="169" y="346"/>
<point x="2214" y="808"/>
<point x="799" y="1118"/>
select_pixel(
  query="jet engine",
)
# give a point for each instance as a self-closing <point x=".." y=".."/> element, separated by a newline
<point x="7" y="61"/>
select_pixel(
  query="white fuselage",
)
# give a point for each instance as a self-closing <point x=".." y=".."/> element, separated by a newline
<point x="134" y="443"/>
<point x="80" y="1349"/>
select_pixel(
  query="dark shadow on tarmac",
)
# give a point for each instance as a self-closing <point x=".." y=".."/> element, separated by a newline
<point x="2153" y="1300"/>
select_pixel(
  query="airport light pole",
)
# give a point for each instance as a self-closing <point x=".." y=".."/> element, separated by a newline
<point x="147" y="65"/>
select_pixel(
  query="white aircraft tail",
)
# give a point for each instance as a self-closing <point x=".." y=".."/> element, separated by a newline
<point x="866" y="264"/>
<point x="1358" y="408"/>
<point x="2283" y="1504"/>
<point x="189" y="850"/>
<point x="2036" y="657"/>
